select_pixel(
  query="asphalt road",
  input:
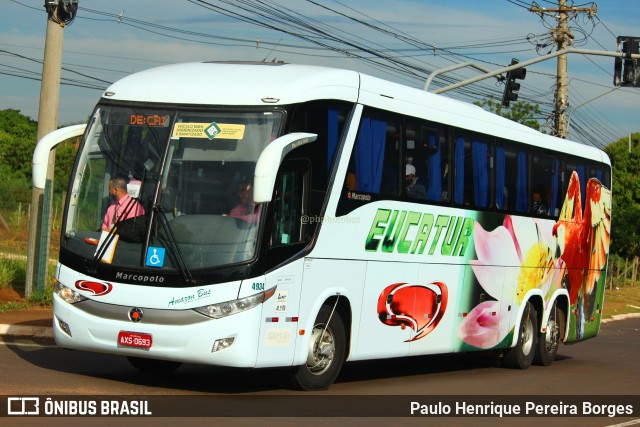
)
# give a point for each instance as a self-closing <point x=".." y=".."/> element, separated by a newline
<point x="605" y="369"/>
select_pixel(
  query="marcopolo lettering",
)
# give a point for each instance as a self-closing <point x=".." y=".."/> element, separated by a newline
<point x="144" y="278"/>
<point x="409" y="232"/>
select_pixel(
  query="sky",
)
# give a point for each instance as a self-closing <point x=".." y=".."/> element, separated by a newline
<point x="399" y="40"/>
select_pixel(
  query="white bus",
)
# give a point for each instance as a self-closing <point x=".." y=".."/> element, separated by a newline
<point x="280" y="215"/>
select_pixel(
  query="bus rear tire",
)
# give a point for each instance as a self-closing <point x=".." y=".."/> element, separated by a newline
<point x="153" y="366"/>
<point x="326" y="352"/>
<point x="521" y="355"/>
<point x="549" y="341"/>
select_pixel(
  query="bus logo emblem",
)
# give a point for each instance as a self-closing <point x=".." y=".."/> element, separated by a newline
<point x="212" y="130"/>
<point x="420" y="307"/>
<point x="96" y="288"/>
<point x="135" y="314"/>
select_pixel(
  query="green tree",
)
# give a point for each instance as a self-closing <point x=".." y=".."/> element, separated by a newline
<point x="18" y="134"/>
<point x="17" y="141"/>
<point x="625" y="161"/>
<point x="521" y="112"/>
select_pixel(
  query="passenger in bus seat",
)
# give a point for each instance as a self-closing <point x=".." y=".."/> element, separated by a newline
<point x="414" y="188"/>
<point x="537" y="205"/>
<point x="246" y="209"/>
<point x="123" y="206"/>
<point x="350" y="182"/>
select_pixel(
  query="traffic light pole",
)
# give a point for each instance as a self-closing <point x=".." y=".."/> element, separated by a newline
<point x="534" y="61"/>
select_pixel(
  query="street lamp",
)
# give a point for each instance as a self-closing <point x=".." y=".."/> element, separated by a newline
<point x="586" y="102"/>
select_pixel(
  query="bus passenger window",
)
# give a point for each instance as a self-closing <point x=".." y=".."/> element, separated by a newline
<point x="512" y="186"/>
<point x="375" y="156"/>
<point x="545" y="184"/>
<point x="471" y="180"/>
<point x="426" y="166"/>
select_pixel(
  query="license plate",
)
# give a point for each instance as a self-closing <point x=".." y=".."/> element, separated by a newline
<point x="134" y="339"/>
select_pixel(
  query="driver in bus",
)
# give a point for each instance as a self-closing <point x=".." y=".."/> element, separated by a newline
<point x="119" y="210"/>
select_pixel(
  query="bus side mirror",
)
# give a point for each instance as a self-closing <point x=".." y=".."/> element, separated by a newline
<point x="45" y="145"/>
<point x="269" y="162"/>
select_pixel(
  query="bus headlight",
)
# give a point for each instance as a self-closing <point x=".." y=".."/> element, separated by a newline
<point x="229" y="308"/>
<point x="67" y="294"/>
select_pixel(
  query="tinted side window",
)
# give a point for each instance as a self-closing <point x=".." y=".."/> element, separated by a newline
<point x="511" y="178"/>
<point x="374" y="164"/>
<point x="426" y="162"/>
<point x="472" y="165"/>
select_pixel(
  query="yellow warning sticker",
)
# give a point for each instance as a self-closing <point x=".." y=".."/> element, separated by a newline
<point x="208" y="130"/>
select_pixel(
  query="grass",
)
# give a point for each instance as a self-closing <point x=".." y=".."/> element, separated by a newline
<point x="621" y="301"/>
<point x="8" y="273"/>
<point x="17" y="306"/>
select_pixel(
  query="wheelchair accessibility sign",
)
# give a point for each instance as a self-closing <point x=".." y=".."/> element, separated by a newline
<point x="155" y="257"/>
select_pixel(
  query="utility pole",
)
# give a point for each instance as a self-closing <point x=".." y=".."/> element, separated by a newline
<point x="59" y="14"/>
<point x="564" y="38"/>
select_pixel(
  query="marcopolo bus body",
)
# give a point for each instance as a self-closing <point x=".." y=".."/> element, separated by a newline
<point x="286" y="215"/>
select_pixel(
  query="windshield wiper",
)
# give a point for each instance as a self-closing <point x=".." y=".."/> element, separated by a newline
<point x="174" y="248"/>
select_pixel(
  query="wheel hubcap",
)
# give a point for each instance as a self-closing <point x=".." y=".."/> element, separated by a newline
<point x="552" y="337"/>
<point x="527" y="337"/>
<point x="321" y="350"/>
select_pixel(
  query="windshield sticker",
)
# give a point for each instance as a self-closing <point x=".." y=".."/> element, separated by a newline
<point x="155" y="257"/>
<point x="208" y="130"/>
<point x="152" y="120"/>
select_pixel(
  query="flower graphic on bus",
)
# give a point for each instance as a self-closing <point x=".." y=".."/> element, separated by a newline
<point x="515" y="253"/>
<point x="419" y="307"/>
<point x="528" y="253"/>
<point x="583" y="243"/>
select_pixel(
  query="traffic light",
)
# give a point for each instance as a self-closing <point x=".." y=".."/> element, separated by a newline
<point x="625" y="71"/>
<point x="511" y="87"/>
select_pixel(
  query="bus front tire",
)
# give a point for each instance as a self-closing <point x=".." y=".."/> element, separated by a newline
<point x="326" y="352"/>
<point x="549" y="341"/>
<point x="153" y="366"/>
<point x="521" y="355"/>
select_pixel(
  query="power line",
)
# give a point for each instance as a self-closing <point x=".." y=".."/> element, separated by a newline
<point x="403" y="56"/>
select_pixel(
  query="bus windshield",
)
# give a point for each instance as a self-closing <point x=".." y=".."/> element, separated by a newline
<point x="162" y="189"/>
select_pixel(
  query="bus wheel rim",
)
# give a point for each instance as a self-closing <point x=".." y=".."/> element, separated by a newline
<point x="552" y="337"/>
<point x="527" y="337"/>
<point x="321" y="350"/>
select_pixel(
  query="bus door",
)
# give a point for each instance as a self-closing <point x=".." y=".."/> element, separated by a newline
<point x="287" y="235"/>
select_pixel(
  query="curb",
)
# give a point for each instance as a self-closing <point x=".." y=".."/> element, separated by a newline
<point x="26" y="331"/>
<point x="620" y="317"/>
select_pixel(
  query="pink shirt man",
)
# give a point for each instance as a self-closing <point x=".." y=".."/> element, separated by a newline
<point x="117" y="211"/>
<point x="246" y="210"/>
